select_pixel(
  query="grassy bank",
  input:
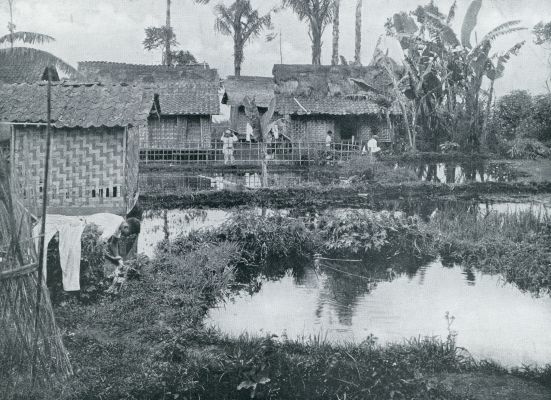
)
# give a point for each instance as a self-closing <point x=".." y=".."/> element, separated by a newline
<point x="516" y="245"/>
<point x="364" y="195"/>
<point x="149" y="342"/>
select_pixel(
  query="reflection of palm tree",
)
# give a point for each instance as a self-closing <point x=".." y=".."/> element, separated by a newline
<point x="346" y="282"/>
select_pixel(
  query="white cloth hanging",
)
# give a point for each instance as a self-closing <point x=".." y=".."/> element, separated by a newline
<point x="70" y="230"/>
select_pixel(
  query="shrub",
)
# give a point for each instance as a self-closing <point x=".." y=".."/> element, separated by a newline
<point x="366" y="232"/>
<point x="526" y="148"/>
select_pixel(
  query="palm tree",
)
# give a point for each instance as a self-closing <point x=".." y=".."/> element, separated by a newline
<point x="26" y="54"/>
<point x="358" y="44"/>
<point x="336" y="33"/>
<point x="318" y="14"/>
<point x="170" y="32"/>
<point x="242" y="23"/>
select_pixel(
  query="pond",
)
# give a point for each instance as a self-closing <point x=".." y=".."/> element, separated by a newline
<point x="461" y="172"/>
<point x="449" y="172"/>
<point x="393" y="301"/>
<point x="493" y="320"/>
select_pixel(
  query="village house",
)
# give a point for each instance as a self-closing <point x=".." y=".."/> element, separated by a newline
<point x="94" y="143"/>
<point x="259" y="88"/>
<point x="188" y="98"/>
<point x="23" y="70"/>
<point x="319" y="98"/>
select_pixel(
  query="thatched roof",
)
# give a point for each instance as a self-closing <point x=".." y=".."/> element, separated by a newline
<point x="323" y="89"/>
<point x="258" y="87"/>
<point x="103" y="71"/>
<point x="77" y="104"/>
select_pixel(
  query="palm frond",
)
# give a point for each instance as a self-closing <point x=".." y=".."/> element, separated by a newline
<point x="19" y="55"/>
<point x="499" y="68"/>
<point x="451" y="13"/>
<point x="469" y="22"/>
<point x="26" y="37"/>
<point x="503" y="29"/>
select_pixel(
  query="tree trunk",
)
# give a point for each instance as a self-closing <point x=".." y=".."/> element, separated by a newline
<point x="168" y="54"/>
<point x="264" y="164"/>
<point x="335" y="54"/>
<point x="237" y="58"/>
<point x="358" y="47"/>
<point x="11" y="25"/>
<point x="487" y="117"/>
<point x="316" y="43"/>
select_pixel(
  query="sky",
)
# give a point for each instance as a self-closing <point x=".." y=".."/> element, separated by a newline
<point x="113" y="30"/>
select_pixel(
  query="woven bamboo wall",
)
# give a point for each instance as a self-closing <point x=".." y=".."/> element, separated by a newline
<point x="314" y="129"/>
<point x="132" y="164"/>
<point x="86" y="168"/>
<point x="176" y="131"/>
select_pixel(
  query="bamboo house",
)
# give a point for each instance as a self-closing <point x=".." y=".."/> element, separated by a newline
<point x="188" y="98"/>
<point x="94" y="147"/>
<point x="319" y="98"/>
<point x="259" y="88"/>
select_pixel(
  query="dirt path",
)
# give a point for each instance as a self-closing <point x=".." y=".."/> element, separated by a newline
<point x="479" y="386"/>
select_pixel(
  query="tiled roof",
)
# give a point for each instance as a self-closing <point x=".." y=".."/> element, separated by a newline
<point x="258" y="87"/>
<point x="23" y="71"/>
<point x="104" y="71"/>
<point x="198" y="98"/>
<point x="331" y="106"/>
<point x="76" y="105"/>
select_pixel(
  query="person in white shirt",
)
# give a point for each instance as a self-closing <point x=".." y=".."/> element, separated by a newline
<point x="228" y="139"/>
<point x="372" y="145"/>
<point x="328" y="140"/>
<point x="248" y="132"/>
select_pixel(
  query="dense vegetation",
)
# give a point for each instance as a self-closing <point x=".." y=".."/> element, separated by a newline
<point x="152" y="334"/>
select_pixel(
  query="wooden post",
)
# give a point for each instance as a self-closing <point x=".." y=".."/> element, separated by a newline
<point x="43" y="224"/>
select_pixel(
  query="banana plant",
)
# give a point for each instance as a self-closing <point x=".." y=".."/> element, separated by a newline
<point x="261" y="125"/>
<point x="443" y="67"/>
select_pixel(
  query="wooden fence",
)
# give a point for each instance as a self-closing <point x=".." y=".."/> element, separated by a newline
<point x="250" y="153"/>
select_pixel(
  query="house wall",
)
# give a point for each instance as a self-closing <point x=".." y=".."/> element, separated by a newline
<point x="87" y="169"/>
<point x="132" y="165"/>
<point x="177" y="131"/>
<point x="239" y="119"/>
<point x="311" y="129"/>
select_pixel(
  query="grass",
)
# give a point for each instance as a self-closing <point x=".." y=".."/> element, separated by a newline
<point x="149" y="342"/>
<point x="515" y="245"/>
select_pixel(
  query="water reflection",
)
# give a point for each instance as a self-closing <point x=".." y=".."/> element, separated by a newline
<point x="494" y="320"/>
<point x="461" y="172"/>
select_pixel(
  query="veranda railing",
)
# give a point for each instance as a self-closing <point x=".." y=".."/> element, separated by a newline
<point x="251" y="153"/>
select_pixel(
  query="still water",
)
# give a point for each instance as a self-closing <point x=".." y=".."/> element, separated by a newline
<point x="494" y="320"/>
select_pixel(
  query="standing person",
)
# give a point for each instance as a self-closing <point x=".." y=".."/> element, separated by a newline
<point x="329" y="145"/>
<point x="372" y="148"/>
<point x="228" y="139"/>
<point x="372" y="145"/>
<point x="328" y="140"/>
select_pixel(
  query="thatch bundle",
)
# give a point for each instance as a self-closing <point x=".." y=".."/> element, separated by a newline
<point x="30" y="347"/>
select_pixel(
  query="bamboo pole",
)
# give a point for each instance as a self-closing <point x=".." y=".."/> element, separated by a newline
<point x="43" y="225"/>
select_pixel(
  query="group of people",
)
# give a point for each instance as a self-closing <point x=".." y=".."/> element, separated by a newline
<point x="371" y="149"/>
<point x="229" y="138"/>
